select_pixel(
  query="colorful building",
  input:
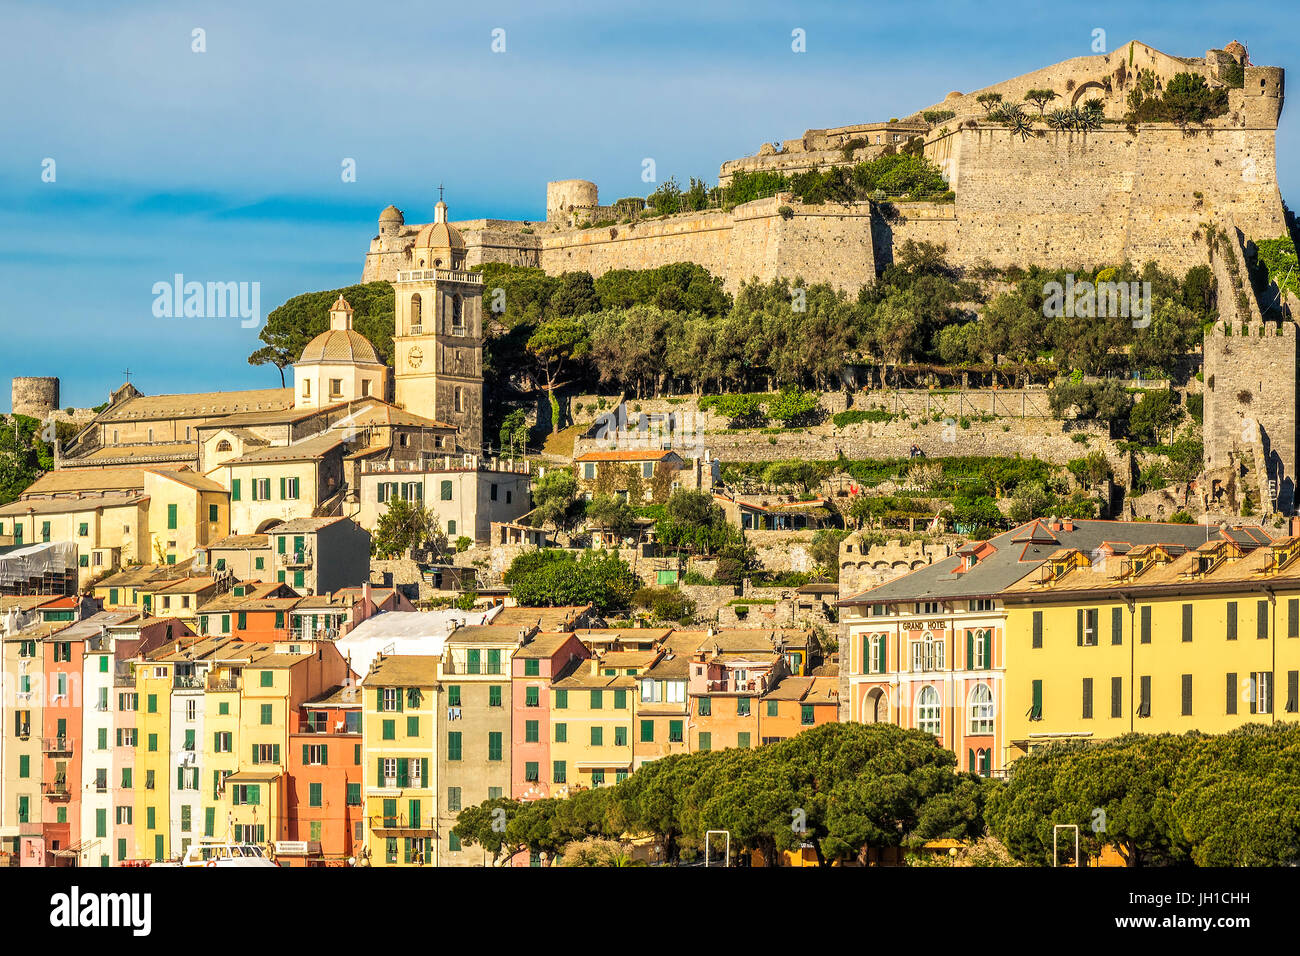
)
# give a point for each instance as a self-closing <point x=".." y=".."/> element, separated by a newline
<point x="400" y="699"/>
<point x="593" y="710"/>
<point x="325" y="807"/>
<point x="533" y="667"/>
<point x="929" y="650"/>
<point x="1154" y="639"/>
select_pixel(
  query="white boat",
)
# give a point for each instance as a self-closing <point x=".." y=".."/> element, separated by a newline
<point x="222" y="854"/>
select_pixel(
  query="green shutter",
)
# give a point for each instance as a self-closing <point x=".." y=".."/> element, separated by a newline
<point x="970" y="650"/>
<point x="424" y="772"/>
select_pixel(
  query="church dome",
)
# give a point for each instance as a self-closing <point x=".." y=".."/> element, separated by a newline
<point x="439" y="244"/>
<point x="392" y="214"/>
<point x="341" y="347"/>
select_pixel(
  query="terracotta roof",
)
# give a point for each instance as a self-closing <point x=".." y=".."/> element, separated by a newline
<point x="52" y="506"/>
<point x="306" y="450"/>
<point x="545" y="618"/>
<point x="197" y="404"/>
<point x="240" y="541"/>
<point x="648" y="454"/>
<point x="66" y="480"/>
<point x="404" y="670"/>
<point x="189" y="479"/>
<point x="544" y="645"/>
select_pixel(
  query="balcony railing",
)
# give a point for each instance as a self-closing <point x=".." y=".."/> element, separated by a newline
<point x="189" y="681"/>
<point x="296" y="559"/>
<point x="223" y="683"/>
<point x="124" y="678"/>
<point x="56" y="789"/>
<point x="380" y="822"/>
<point x="452" y="275"/>
<point x="751" y="686"/>
<point x="56" y="745"/>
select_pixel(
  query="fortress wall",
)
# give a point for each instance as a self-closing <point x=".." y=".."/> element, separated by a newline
<point x="1093" y="198"/>
<point x="831" y="244"/>
<point x="703" y="238"/>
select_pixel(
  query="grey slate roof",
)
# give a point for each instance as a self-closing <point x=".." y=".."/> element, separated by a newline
<point x="1022" y="549"/>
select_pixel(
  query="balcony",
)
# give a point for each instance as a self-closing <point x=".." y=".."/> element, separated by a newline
<point x="188" y="682"/>
<point x="751" y="686"/>
<point x="55" y="746"/>
<point x="399" y="825"/>
<point x="295" y="559"/>
<point x="451" y="275"/>
<point x="124" y="678"/>
<point x="223" y="683"/>
<point x="56" y="789"/>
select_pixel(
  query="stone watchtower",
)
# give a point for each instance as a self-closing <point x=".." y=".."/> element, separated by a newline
<point x="35" y="396"/>
<point x="438" y="341"/>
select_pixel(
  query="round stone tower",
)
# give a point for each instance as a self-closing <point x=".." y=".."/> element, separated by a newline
<point x="567" y="196"/>
<point x="36" y="396"/>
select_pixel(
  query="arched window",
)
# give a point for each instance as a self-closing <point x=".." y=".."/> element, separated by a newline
<point x="979" y="650"/>
<point x="416" y="314"/>
<point x="928" y="715"/>
<point x="223" y="445"/>
<point x="928" y="654"/>
<point x="457" y="317"/>
<point x="981" y="710"/>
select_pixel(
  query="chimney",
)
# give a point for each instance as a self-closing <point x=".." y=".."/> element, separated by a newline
<point x="1295" y="526"/>
<point x="365" y="591"/>
<point x="1067" y="524"/>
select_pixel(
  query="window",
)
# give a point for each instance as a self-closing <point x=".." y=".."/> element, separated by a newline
<point x="742" y="706"/>
<point x="1187" y="623"/>
<point x="453" y="745"/>
<point x="597" y="699"/>
<point x="1117" y="696"/>
<point x="336" y="387"/>
<point x="453" y="798"/>
<point x="412" y="726"/>
<point x="1087" y="698"/>
<point x="1261" y="620"/>
<point x="532" y="696"/>
<point x="530" y="732"/>
<point x="266" y="715"/>
<point x="706" y="741"/>
<point x="1086" y="627"/>
<point x="706" y="706"/>
<point x="597" y="736"/>
<point x="1036" y="701"/>
<point x="1260" y="692"/>
<point x="1144" y="697"/>
<point x="494" y="745"/>
<point x="648" y="731"/>
<point x="561" y="699"/>
<point x="530" y="771"/>
<point x="806" y="716"/>
<point x="532" y="668"/>
<point x="589" y="470"/>
<point x="675" y="734"/>
<point x="444" y="491"/>
<point x="1117" y="625"/>
<point x="981" y="710"/>
<point x="1187" y="695"/>
<point x="561" y="733"/>
<point x="1146" y="624"/>
<point x="928" y="653"/>
<point x="978" y="650"/>
<point x="1232" y="620"/>
<point x="928" y="716"/>
<point x="558" y="772"/>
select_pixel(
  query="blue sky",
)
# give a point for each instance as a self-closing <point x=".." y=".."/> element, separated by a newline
<point x="225" y="165"/>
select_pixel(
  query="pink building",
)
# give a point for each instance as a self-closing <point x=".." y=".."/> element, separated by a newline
<point x="535" y="664"/>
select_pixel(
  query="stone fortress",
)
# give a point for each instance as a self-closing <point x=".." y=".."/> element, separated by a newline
<point x="1121" y="192"/>
<point x="1151" y="191"/>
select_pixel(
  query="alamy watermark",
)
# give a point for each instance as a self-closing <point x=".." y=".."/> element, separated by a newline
<point x="678" y="430"/>
<point x="1124" y="300"/>
<point x="212" y="300"/>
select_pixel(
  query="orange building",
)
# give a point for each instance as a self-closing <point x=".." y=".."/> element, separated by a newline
<point x="326" y="815"/>
<point x="264" y="619"/>
<point x="796" y="704"/>
<point x="725" y="689"/>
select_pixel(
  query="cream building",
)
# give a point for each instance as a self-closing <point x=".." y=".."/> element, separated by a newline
<point x="438" y="343"/>
<point x="339" y="365"/>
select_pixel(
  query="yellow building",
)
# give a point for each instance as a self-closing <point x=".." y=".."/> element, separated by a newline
<point x="153" y="684"/>
<point x="1155" y="639"/>
<point x="186" y="511"/>
<point x="593" y="712"/>
<point x="398" y="728"/>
